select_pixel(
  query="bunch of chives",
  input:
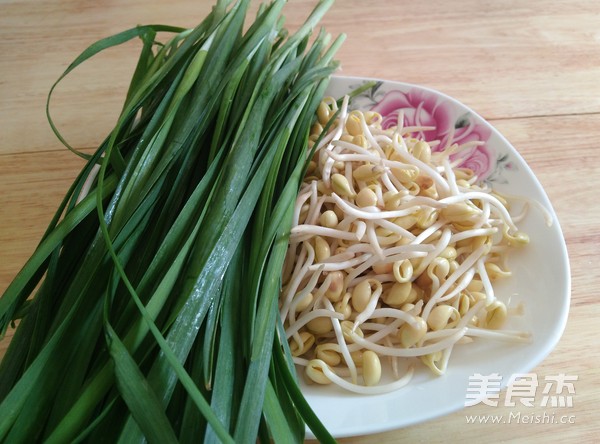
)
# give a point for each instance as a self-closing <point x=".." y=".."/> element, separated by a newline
<point x="148" y="312"/>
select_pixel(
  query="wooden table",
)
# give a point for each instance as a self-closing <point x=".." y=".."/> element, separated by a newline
<point x="531" y="68"/>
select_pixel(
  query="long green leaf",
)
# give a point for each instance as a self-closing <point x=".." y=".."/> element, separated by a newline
<point x="138" y="395"/>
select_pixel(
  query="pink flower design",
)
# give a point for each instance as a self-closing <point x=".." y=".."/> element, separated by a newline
<point x="421" y="108"/>
<point x="481" y="159"/>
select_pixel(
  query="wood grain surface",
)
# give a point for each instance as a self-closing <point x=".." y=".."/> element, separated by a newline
<point x="531" y="68"/>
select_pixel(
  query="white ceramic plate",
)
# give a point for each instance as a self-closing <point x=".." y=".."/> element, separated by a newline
<point x="541" y="275"/>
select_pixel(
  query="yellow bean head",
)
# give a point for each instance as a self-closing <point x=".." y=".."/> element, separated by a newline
<point x="366" y="198"/>
<point x="496" y="315"/>
<point x="443" y="316"/>
<point x="371" y="368"/>
<point x="411" y="333"/>
<point x="361" y="295"/>
<point x="329" y="219"/>
<point x="314" y="370"/>
<point x="322" y="249"/>
<point x="298" y="349"/>
<point x="398" y="295"/>
<point x="340" y="185"/>
<point x="336" y="287"/>
<point x="320" y="325"/>
<point x="367" y="172"/>
<point x="325" y="353"/>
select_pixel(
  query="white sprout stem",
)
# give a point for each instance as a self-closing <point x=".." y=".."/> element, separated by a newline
<point x="298" y="207"/>
<point x="473" y="233"/>
<point x="318" y="295"/>
<point x="417" y="129"/>
<point x="450" y="177"/>
<point x="345" y="373"/>
<point x="361" y="389"/>
<point x="317" y="230"/>
<point x="340" y="257"/>
<point x="449" y="139"/>
<point x="371" y="215"/>
<point x="361" y="228"/>
<point x="381" y="330"/>
<point x="465" y="280"/>
<point x="470" y="313"/>
<point x="485" y="215"/>
<point x="297" y="265"/>
<point x="314" y="212"/>
<point x="394" y="360"/>
<point x="345" y="223"/>
<point x="485" y="279"/>
<point x="428" y="232"/>
<point x="399" y="185"/>
<point x="378" y="277"/>
<point x="359" y="248"/>
<point x="394" y="313"/>
<point x="385" y="241"/>
<point x="325" y="141"/>
<point x="300" y="361"/>
<point x="418" y="119"/>
<point x="381" y="137"/>
<point x="367" y="157"/>
<point x="468" y="145"/>
<point x="341" y="265"/>
<point x="372" y="238"/>
<point x="478" y="195"/>
<point x="409" y="352"/>
<point x="499" y="335"/>
<point x="541" y="208"/>
<point x="348" y="174"/>
<point x="395" y="228"/>
<point x="439" y="334"/>
<point x="296" y="280"/>
<point x="343" y="347"/>
<point x="400" y="121"/>
<point x="371" y="305"/>
<point x="354" y="273"/>
<point x="521" y="216"/>
<point x="289" y="264"/>
<point x="462" y="269"/>
<point x="353" y="157"/>
<point x="400" y="147"/>
<point x="385" y="179"/>
<point x="379" y="193"/>
<point x="422" y="248"/>
<point x="442" y="243"/>
<point x="312" y="283"/>
<point x="420" y="200"/>
<point x="445" y="358"/>
<point x="462" y="324"/>
<point x="435" y="280"/>
<point x="326" y="172"/>
<point x="363" y="154"/>
<point x="369" y="136"/>
<point x="473" y="180"/>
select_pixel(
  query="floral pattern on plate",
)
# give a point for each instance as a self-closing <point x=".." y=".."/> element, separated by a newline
<point x="421" y="107"/>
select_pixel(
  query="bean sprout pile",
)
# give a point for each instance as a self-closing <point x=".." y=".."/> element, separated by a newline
<point x="392" y="255"/>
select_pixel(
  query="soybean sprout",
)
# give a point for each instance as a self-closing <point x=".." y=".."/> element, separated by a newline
<point x="393" y="254"/>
